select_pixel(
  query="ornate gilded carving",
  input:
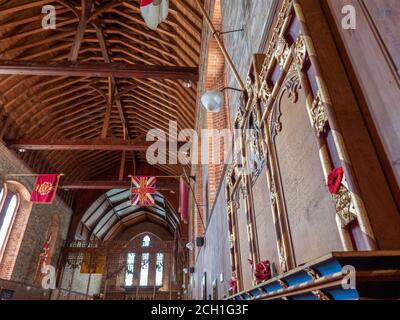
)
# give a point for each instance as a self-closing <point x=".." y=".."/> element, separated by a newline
<point x="229" y="174"/>
<point x="275" y="35"/>
<point x="231" y="241"/>
<point x="229" y="207"/>
<point x="292" y="86"/>
<point x="249" y="86"/>
<point x="273" y="194"/>
<point x="282" y="51"/>
<point x="239" y="119"/>
<point x="283" y="284"/>
<point x="282" y="259"/>
<point x="234" y="274"/>
<point x="300" y="53"/>
<point x="312" y="273"/>
<point x="319" y="114"/>
<point x="243" y="191"/>
<point x="318" y="293"/>
<point x="344" y="206"/>
<point x="265" y="92"/>
<point x="255" y="145"/>
<point x="275" y="124"/>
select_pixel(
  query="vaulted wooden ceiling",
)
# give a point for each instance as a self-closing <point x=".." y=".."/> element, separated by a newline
<point x="66" y="106"/>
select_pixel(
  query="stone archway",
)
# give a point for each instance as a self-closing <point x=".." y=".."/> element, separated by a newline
<point x="12" y="244"/>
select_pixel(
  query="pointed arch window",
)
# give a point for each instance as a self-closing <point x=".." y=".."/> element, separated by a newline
<point x="146" y="241"/>
<point x="15" y="209"/>
<point x="144" y="271"/>
<point x="130" y="269"/>
<point x="6" y="216"/>
<point x="159" y="269"/>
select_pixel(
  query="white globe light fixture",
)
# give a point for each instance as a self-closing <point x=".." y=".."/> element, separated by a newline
<point x="189" y="246"/>
<point x="213" y="100"/>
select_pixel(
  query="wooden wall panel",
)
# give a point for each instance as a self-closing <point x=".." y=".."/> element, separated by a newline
<point x="244" y="245"/>
<point x="264" y="219"/>
<point x="373" y="53"/>
<point x="385" y="15"/>
<point x="309" y="206"/>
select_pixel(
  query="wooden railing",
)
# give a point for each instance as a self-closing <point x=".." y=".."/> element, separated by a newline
<point x="14" y="290"/>
<point x="63" y="294"/>
<point x="337" y="276"/>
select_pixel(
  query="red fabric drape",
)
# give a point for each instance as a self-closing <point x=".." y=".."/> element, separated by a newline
<point x="184" y="200"/>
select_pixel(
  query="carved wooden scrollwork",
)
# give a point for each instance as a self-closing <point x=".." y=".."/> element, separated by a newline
<point x="265" y="92"/>
<point x="239" y="119"/>
<point x="229" y="174"/>
<point x="318" y="293"/>
<point x="292" y="86"/>
<point x="319" y="114"/>
<point x="231" y="241"/>
<point x="276" y="34"/>
<point x="344" y="206"/>
<point x="255" y="156"/>
<point x="300" y="53"/>
<point x="282" y="51"/>
<point x="273" y="194"/>
<point x="275" y="122"/>
<point x="249" y="86"/>
<point x="282" y="259"/>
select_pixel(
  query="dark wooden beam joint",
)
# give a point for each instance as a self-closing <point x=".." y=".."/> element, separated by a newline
<point x="161" y="185"/>
<point x="101" y="70"/>
<point x="108" y="144"/>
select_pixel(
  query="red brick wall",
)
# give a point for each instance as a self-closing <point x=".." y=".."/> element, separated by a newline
<point x="208" y="177"/>
<point x="215" y="80"/>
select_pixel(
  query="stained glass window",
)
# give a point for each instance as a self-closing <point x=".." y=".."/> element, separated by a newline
<point x="146" y="241"/>
<point x="130" y="269"/>
<point x="144" y="270"/>
<point x="159" y="269"/>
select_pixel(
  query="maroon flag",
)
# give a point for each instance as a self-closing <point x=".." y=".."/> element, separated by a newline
<point x="184" y="200"/>
<point x="45" y="188"/>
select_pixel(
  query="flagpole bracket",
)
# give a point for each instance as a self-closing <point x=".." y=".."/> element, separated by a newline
<point x="220" y="33"/>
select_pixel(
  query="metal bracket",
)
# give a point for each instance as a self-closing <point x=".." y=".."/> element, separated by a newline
<point x="219" y="33"/>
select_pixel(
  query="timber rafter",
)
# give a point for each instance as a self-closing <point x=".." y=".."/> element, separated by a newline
<point x="63" y="104"/>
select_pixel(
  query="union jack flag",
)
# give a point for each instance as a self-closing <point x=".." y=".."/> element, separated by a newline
<point x="142" y="191"/>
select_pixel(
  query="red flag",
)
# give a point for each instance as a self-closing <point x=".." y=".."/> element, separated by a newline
<point x="184" y="200"/>
<point x="154" y="12"/>
<point x="142" y="191"/>
<point x="45" y="188"/>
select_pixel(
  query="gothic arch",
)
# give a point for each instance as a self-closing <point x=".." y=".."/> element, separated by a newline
<point x="12" y="243"/>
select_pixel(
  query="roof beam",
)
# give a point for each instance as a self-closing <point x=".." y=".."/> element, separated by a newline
<point x="87" y="6"/>
<point x="109" y="144"/>
<point x="117" y="70"/>
<point x="66" y="144"/>
<point x="162" y="185"/>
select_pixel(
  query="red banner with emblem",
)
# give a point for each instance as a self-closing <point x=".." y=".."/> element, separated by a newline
<point x="45" y="188"/>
